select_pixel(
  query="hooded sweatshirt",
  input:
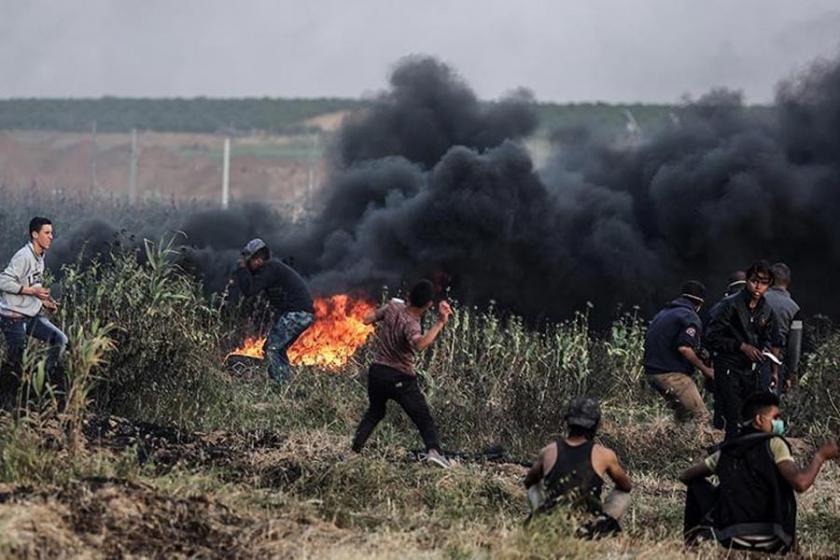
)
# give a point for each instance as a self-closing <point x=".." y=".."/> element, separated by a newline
<point x="676" y="325"/>
<point x="26" y="269"/>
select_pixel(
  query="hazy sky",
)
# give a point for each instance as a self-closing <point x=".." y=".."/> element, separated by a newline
<point x="611" y="50"/>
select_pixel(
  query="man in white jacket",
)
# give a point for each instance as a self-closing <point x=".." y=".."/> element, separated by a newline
<point x="23" y="299"/>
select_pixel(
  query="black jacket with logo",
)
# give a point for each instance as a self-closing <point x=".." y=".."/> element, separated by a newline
<point x="735" y="323"/>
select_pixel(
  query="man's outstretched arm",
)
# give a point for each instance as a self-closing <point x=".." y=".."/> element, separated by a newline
<point x="802" y="480"/>
<point x="426" y="340"/>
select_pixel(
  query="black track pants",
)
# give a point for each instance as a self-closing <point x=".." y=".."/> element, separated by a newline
<point x="388" y="383"/>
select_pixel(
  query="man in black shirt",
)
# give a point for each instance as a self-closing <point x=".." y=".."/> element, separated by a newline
<point x="741" y="335"/>
<point x="288" y="295"/>
<point x="572" y="471"/>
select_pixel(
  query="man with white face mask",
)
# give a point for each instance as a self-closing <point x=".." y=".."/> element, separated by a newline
<point x="753" y="507"/>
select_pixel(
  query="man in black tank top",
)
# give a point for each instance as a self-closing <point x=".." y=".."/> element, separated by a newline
<point x="753" y="507"/>
<point x="570" y="472"/>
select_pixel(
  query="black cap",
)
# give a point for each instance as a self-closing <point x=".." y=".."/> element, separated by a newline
<point x="584" y="412"/>
<point x="694" y="290"/>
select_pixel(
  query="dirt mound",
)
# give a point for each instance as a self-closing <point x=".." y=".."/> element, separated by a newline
<point x="119" y="518"/>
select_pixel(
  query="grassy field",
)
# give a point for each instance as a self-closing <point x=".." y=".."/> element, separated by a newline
<point x="163" y="453"/>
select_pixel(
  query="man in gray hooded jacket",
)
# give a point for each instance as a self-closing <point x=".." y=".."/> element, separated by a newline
<point x="23" y="299"/>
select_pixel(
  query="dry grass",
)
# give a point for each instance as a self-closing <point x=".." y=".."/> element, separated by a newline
<point x="301" y="495"/>
<point x="212" y="465"/>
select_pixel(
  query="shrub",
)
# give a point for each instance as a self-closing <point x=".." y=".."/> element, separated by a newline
<point x="164" y="331"/>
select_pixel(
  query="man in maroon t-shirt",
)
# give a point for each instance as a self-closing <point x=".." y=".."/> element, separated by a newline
<point x="392" y="376"/>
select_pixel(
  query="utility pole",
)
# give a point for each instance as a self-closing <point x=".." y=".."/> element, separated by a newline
<point x="310" y="186"/>
<point x="226" y="175"/>
<point x="132" y="169"/>
<point x="93" y="150"/>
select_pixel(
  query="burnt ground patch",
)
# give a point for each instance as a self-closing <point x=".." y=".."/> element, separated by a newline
<point x="253" y="457"/>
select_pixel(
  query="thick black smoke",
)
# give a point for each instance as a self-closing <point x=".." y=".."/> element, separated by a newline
<point x="428" y="110"/>
<point x="607" y="222"/>
<point x="431" y="182"/>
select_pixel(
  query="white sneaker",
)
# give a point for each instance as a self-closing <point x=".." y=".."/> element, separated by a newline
<point x="437" y="459"/>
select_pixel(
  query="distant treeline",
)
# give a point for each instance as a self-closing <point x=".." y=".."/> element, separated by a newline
<point x="115" y="114"/>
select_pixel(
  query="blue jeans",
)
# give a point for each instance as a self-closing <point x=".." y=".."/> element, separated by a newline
<point x="15" y="331"/>
<point x="286" y="330"/>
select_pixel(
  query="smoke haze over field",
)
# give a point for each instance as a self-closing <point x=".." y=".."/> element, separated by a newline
<point x="431" y="183"/>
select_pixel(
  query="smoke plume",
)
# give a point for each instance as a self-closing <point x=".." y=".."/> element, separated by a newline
<point x="431" y="182"/>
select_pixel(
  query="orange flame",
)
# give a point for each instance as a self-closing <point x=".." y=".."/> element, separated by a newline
<point x="332" y="339"/>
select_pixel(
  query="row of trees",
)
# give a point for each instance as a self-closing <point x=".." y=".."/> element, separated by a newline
<point x="113" y="114"/>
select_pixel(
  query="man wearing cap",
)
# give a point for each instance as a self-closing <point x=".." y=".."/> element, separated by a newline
<point x="672" y="344"/>
<point x="288" y="295"/>
<point x="571" y="471"/>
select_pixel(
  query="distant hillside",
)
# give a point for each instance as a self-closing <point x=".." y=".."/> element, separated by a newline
<point x="274" y="115"/>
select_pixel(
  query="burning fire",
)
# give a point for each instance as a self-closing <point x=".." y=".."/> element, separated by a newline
<point x="332" y="339"/>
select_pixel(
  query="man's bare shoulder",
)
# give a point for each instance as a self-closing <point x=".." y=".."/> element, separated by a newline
<point x="604" y="453"/>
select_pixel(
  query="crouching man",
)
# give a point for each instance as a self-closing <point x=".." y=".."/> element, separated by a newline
<point x="571" y="472"/>
<point x="289" y="298"/>
<point x="753" y="507"/>
<point x="23" y="303"/>
<point x="672" y="344"/>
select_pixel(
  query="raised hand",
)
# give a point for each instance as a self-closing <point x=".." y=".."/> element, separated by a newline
<point x="444" y="311"/>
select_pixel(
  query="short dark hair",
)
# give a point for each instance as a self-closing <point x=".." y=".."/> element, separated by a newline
<point x="760" y="267"/>
<point x="36" y="223"/>
<point x="421" y="293"/>
<point x="694" y="290"/>
<point x="781" y="273"/>
<point x="757" y="403"/>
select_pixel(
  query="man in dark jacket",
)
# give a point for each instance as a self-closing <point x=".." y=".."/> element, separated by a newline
<point x="671" y="346"/>
<point x="289" y="297"/>
<point x="742" y="334"/>
<point x="754" y="506"/>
